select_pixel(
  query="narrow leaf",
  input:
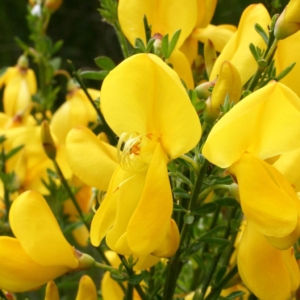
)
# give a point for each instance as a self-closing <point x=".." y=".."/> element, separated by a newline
<point x="165" y="46"/>
<point x="220" y="274"/>
<point x="147" y="29"/>
<point x="285" y="71"/>
<point x="227" y="201"/>
<point x="253" y="51"/>
<point x="173" y="42"/>
<point x="235" y="294"/>
<point x="262" y="33"/>
<point x="214" y="240"/>
<point x="181" y="193"/>
<point x="13" y="152"/>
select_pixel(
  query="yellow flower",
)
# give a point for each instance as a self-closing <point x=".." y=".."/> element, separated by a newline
<point x="86" y="290"/>
<point x="39" y="253"/>
<point x="77" y="110"/>
<point x="288" y="22"/>
<point x="268" y="272"/>
<point x="258" y="128"/>
<point x="237" y="50"/>
<point x="156" y="122"/>
<point x="20" y="85"/>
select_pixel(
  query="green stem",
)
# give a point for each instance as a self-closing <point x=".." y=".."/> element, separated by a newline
<point x="191" y="161"/>
<point x="175" y="263"/>
<point x="107" y="130"/>
<point x="130" y="272"/>
<point x="122" y="40"/>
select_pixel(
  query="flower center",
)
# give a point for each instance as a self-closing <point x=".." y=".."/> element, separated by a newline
<point x="135" y="151"/>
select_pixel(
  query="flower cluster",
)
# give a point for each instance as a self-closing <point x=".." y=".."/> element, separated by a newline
<point x="179" y="178"/>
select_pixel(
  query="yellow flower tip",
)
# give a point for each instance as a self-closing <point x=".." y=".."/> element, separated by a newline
<point x="87" y="289"/>
<point x="51" y="291"/>
<point x="47" y="140"/>
<point x="288" y="22"/>
<point x="85" y="261"/>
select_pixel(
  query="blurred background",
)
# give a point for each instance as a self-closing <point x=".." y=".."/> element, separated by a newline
<point x="85" y="35"/>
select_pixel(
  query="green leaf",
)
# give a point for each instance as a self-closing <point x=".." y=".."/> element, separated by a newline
<point x="147" y="29"/>
<point x="216" y="229"/>
<point x="104" y="63"/>
<point x="206" y="208"/>
<point x="57" y="46"/>
<point x="177" y="207"/>
<point x="220" y="274"/>
<point x="13" y="152"/>
<point x="2" y="139"/>
<point x="235" y="294"/>
<point x="181" y="193"/>
<point x="165" y="46"/>
<point x="94" y="75"/>
<point x="262" y="33"/>
<point x="214" y="240"/>
<point x="173" y="42"/>
<point x="21" y="44"/>
<point x="135" y="279"/>
<point x="140" y="46"/>
<point x="285" y="72"/>
<point x="227" y="201"/>
<point x="253" y="51"/>
<point x="150" y="45"/>
<point x="188" y="218"/>
<point x="55" y="63"/>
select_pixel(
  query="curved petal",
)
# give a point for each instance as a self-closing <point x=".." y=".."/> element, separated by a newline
<point x="110" y="288"/>
<point x="128" y="190"/>
<point x="260" y="124"/>
<point x="278" y="276"/>
<point x="267" y="199"/>
<point x="105" y="216"/>
<point x="219" y="35"/>
<point x="158" y="105"/>
<point x="149" y="225"/>
<point x="39" y="234"/>
<point x="182" y="67"/>
<point x="206" y="9"/>
<point x="190" y="49"/>
<point x="91" y="160"/>
<point x="18" y="272"/>
<point x="237" y="49"/>
<point x="87" y="289"/>
<point x="165" y="17"/>
<point x="285" y="57"/>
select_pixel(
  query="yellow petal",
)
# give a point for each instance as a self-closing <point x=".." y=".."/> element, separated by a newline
<point x="39" y="234"/>
<point x="285" y="57"/>
<point x="190" y="49"/>
<point x="278" y="275"/>
<point x="182" y="67"/>
<point x="146" y="233"/>
<point x="228" y="83"/>
<point x="90" y="159"/>
<point x="105" y="216"/>
<point x="206" y="9"/>
<point x="260" y="124"/>
<point x="219" y="35"/>
<point x="165" y="17"/>
<point x="87" y="289"/>
<point x="19" y="272"/>
<point x="51" y="291"/>
<point x="157" y="105"/>
<point x="267" y="199"/>
<point x="110" y="288"/>
<point x="237" y="49"/>
<point x="77" y="110"/>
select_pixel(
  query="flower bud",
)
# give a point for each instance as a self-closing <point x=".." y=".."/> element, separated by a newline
<point x="234" y="191"/>
<point x="288" y="22"/>
<point x="203" y="89"/>
<point x="157" y="44"/>
<point x="53" y="5"/>
<point x="23" y="62"/>
<point x="47" y="141"/>
<point x="85" y="261"/>
<point x="51" y="291"/>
